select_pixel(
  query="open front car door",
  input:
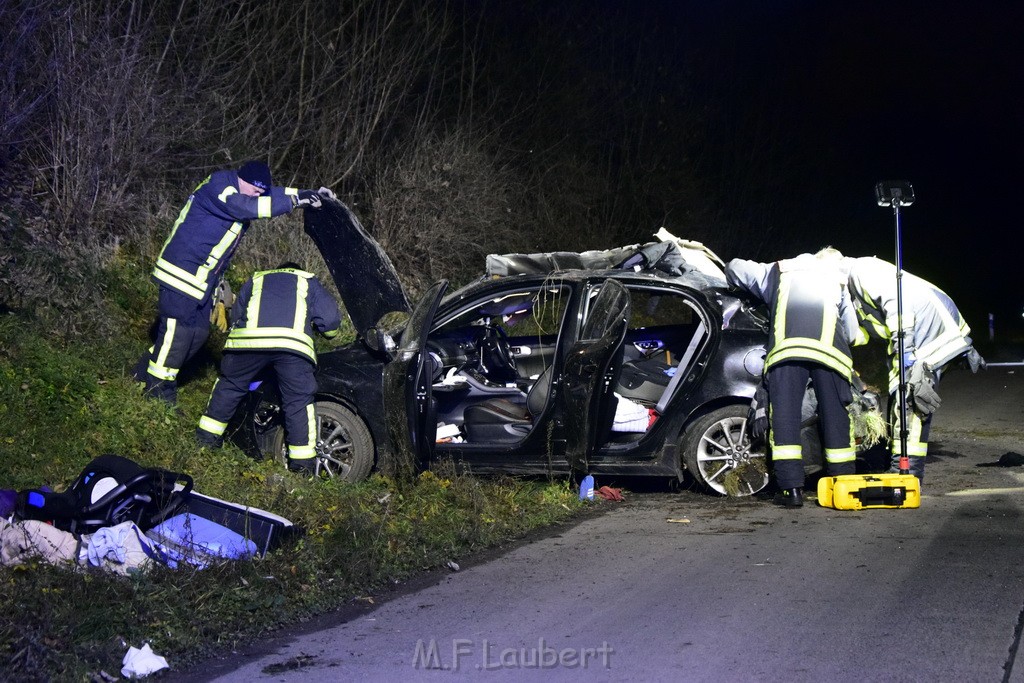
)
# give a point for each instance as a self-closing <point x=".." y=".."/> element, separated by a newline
<point x="408" y="405"/>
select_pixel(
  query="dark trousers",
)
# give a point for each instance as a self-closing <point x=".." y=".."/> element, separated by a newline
<point x="787" y="383"/>
<point x="183" y="326"/>
<point x="295" y="378"/>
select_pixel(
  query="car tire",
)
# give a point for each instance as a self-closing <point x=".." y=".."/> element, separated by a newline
<point x="718" y="453"/>
<point x="344" y="446"/>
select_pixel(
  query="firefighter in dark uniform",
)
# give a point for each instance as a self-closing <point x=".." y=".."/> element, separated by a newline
<point x="275" y="316"/>
<point x="812" y="325"/>
<point x="195" y="257"/>
<point x="934" y="335"/>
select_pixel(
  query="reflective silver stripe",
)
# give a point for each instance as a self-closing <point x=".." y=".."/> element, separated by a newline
<point x="208" y="424"/>
<point x="264" y="207"/>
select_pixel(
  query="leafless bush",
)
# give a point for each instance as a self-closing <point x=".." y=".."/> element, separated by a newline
<point x="443" y="204"/>
<point x="19" y="34"/>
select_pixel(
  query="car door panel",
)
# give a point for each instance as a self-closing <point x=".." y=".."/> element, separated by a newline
<point x="591" y="370"/>
<point x="410" y="410"/>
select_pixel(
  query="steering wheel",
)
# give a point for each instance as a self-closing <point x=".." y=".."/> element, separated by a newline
<point x="496" y="361"/>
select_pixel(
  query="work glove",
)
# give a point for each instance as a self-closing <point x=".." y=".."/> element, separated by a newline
<point x="974" y="360"/>
<point x="223" y="300"/>
<point x="327" y="193"/>
<point x="869" y="400"/>
<point x="923" y="396"/>
<point x="309" y="199"/>
<point x="219" y="317"/>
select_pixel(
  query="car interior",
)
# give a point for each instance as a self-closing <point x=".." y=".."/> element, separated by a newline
<point x="492" y="361"/>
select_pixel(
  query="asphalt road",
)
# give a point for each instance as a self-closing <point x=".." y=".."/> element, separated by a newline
<point x="687" y="587"/>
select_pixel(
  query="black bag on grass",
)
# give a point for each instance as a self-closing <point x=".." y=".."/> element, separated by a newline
<point x="110" y="490"/>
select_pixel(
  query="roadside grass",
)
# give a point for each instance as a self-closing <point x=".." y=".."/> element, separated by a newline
<point x="63" y="403"/>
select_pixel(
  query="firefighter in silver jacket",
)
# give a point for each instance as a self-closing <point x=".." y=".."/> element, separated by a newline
<point x="934" y="335"/>
<point x="812" y="325"/>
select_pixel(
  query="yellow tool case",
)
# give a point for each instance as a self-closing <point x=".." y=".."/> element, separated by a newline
<point x="860" y="491"/>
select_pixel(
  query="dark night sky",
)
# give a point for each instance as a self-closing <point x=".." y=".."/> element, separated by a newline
<point x="932" y="93"/>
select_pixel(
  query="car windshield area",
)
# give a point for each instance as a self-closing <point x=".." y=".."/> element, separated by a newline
<point x="497" y="349"/>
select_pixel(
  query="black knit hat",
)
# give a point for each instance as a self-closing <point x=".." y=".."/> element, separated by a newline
<point x="256" y="173"/>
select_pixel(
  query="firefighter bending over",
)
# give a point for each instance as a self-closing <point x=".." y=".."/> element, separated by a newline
<point x="275" y="316"/>
<point x="811" y="326"/>
<point x="934" y="335"/>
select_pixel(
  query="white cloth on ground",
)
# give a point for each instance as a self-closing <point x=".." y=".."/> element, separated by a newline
<point x="23" y="540"/>
<point x="121" y="548"/>
<point x="141" y="662"/>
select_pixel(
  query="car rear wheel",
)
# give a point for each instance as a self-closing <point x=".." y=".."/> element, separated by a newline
<point x="717" y="451"/>
<point x="344" y="447"/>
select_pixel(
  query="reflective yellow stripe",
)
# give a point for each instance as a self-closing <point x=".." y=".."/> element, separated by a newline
<point x="301" y="452"/>
<point x="263" y="207"/>
<point x="915" y="447"/>
<point x="158" y="364"/>
<point x="161" y="372"/>
<point x="195" y="284"/>
<point x="252" y="311"/>
<point x="331" y="334"/>
<point x="786" y="452"/>
<point x="216" y="427"/>
<point x="291" y="191"/>
<point x="841" y="454"/>
<point x="801" y="349"/>
<point x="272" y="343"/>
<point x="179" y="279"/>
<point x="301" y="289"/>
<point x="227" y="192"/>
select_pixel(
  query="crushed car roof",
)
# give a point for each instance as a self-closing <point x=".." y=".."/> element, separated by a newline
<point x="670" y="256"/>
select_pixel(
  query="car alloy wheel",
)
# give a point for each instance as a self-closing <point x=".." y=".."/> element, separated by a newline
<point x="718" y="452"/>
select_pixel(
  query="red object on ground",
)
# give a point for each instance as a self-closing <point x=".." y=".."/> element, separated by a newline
<point x="608" y="493"/>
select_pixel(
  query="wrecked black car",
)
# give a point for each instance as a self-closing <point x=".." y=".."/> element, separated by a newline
<point x="636" y="361"/>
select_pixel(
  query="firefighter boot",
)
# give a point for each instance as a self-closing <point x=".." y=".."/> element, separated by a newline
<point x="306" y="466"/>
<point x="790" y="498"/>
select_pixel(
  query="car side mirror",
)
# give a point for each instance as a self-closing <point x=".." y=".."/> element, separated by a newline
<point x="379" y="341"/>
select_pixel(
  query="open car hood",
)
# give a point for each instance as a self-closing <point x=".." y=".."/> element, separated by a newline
<point x="365" y="277"/>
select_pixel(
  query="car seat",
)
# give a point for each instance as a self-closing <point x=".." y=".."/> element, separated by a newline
<point x="110" y="490"/>
<point x="501" y="420"/>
